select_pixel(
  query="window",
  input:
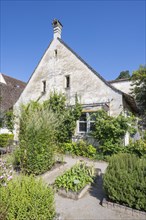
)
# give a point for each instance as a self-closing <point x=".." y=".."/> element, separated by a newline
<point x="83" y="123"/>
<point x="86" y="122"/>
<point x="55" y="52"/>
<point x="67" y="82"/>
<point x="44" y="86"/>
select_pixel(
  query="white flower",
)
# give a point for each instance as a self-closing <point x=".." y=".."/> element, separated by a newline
<point x="76" y="181"/>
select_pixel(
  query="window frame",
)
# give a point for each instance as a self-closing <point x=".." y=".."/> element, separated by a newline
<point x="67" y="82"/>
<point x="44" y="86"/>
<point x="88" y="123"/>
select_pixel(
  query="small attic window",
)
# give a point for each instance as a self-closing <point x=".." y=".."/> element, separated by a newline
<point x="16" y="86"/>
<point x="67" y="82"/>
<point x="44" y="86"/>
<point x="55" y="53"/>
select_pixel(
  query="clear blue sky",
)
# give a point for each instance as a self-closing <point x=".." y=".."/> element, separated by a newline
<point x="109" y="35"/>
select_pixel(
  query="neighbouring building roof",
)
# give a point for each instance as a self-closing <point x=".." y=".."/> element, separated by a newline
<point x="119" y="80"/>
<point x="10" y="90"/>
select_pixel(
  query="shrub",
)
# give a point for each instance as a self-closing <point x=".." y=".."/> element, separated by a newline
<point x="79" y="148"/>
<point x="76" y="178"/>
<point x="66" y="115"/>
<point x="37" y="139"/>
<point x="109" y="148"/>
<point x="138" y="148"/>
<point x="124" y="180"/>
<point x="26" y="198"/>
<point x="110" y="131"/>
<point x="5" y="139"/>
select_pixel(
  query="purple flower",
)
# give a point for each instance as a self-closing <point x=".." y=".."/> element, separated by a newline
<point x="9" y="178"/>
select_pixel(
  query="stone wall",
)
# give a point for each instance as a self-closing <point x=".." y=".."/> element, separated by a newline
<point x="59" y="62"/>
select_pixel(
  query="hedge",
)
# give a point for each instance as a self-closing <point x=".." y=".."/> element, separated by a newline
<point x="125" y="181"/>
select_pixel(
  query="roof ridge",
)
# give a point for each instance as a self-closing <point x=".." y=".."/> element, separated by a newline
<point x="4" y="75"/>
<point x="94" y="71"/>
<point x="119" y="80"/>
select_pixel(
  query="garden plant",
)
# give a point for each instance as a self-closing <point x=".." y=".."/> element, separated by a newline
<point x="24" y="197"/>
<point x="76" y="178"/>
<point x="125" y="180"/>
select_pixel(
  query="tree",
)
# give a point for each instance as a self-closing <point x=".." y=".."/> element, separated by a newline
<point x="124" y="75"/>
<point x="139" y="88"/>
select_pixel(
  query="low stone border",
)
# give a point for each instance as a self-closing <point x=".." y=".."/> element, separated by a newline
<point x="122" y="208"/>
<point x="74" y="195"/>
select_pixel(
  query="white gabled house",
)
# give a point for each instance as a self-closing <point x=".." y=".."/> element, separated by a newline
<point x="62" y="70"/>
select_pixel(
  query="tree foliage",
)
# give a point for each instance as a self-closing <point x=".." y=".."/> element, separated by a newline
<point x="139" y="88"/>
<point x="124" y="75"/>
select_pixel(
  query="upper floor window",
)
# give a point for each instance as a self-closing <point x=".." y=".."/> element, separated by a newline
<point x="44" y="86"/>
<point x="55" y="53"/>
<point x="67" y="82"/>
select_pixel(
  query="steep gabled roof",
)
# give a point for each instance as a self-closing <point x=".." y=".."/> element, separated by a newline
<point x="10" y="92"/>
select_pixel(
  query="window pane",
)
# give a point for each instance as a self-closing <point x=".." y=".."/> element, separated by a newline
<point x="82" y="126"/>
<point x="83" y="117"/>
<point x="67" y="81"/>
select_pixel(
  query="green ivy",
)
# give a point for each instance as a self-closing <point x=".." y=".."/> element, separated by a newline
<point x="67" y="115"/>
<point x="110" y="131"/>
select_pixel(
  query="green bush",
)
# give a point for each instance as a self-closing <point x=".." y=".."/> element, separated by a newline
<point x="66" y="115"/>
<point x="76" y="178"/>
<point x="26" y="198"/>
<point x="5" y="139"/>
<point x="110" y="131"/>
<point x="138" y="148"/>
<point x="125" y="180"/>
<point x="79" y="148"/>
<point x="36" y="150"/>
<point x="109" y="149"/>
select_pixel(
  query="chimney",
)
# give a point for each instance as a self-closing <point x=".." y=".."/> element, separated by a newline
<point x="57" y="27"/>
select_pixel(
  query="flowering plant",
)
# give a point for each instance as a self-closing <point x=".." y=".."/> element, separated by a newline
<point x="5" y="173"/>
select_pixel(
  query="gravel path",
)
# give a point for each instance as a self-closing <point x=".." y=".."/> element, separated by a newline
<point x="88" y="207"/>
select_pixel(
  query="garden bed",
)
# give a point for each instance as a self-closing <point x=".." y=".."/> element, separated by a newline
<point x="74" y="195"/>
<point x="75" y="182"/>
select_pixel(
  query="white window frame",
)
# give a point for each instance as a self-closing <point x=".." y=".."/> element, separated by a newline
<point x="88" y="122"/>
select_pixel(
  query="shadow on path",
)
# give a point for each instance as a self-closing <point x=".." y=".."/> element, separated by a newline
<point x="97" y="190"/>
